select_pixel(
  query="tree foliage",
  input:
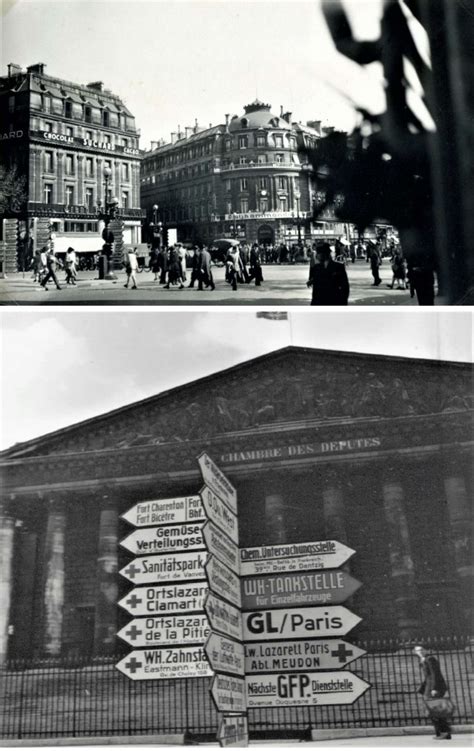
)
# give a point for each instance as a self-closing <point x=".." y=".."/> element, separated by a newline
<point x="12" y="190"/>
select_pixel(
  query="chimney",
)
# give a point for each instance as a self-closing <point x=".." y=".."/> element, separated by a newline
<point x="315" y="124"/>
<point x="173" y="137"/>
<point x="153" y="145"/>
<point x="188" y="131"/>
<point x="13" y="70"/>
<point x="36" y="68"/>
<point x="96" y="85"/>
<point x="195" y="125"/>
<point x="227" y="118"/>
<point x="328" y="129"/>
<point x="178" y="133"/>
<point x="281" y="110"/>
<point x="287" y="117"/>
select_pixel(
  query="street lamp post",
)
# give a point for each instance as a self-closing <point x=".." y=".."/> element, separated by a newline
<point x="298" y="220"/>
<point x="156" y="229"/>
<point x="106" y="214"/>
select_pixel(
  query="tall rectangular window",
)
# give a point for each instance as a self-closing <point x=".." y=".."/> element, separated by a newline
<point x="11" y="103"/>
<point x="125" y="171"/>
<point x="69" y="164"/>
<point x="261" y="141"/>
<point x="244" y="205"/>
<point x="262" y="183"/>
<point x="70" y="131"/>
<point x="69" y="195"/>
<point x="243" y="142"/>
<point x="281" y="183"/>
<point x="67" y="109"/>
<point x="279" y="142"/>
<point x="48" y="127"/>
<point x="228" y="185"/>
<point x="87" y="114"/>
<point x="89" y="198"/>
<point x="125" y="199"/>
<point x="48" y="161"/>
<point x="261" y="159"/>
<point x="243" y="183"/>
<point x="46" y="103"/>
<point x="279" y="158"/>
<point x="89" y="167"/>
<point x="48" y="193"/>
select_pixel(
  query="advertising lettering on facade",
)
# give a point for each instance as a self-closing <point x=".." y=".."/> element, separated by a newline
<point x="301" y="450"/>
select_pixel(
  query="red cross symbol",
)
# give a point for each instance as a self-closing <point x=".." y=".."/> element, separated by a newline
<point x="132" y="570"/>
<point x="133" y="665"/>
<point x="342" y="653"/>
<point x="133" y="632"/>
<point x="133" y="601"/>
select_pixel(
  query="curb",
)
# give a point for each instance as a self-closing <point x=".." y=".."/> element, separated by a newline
<point x="332" y="735"/>
<point x="118" y="740"/>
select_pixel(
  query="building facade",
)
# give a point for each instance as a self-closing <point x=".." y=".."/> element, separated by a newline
<point x="372" y="451"/>
<point x="245" y="178"/>
<point x="73" y="144"/>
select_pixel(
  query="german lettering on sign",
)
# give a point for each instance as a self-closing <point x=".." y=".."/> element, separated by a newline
<point x="288" y="590"/>
<point x="305" y="654"/>
<point x="169" y="599"/>
<point x="179" y="537"/>
<point x="233" y="730"/>
<point x="304" y="689"/>
<point x="187" y="508"/>
<point x="218" y="482"/>
<point x="299" y="556"/>
<point x="223" y="581"/>
<point x="165" y="568"/>
<point x="166" y="630"/>
<point x="335" y="620"/>
<point x="219" y="545"/>
<point x="225" y="655"/>
<point x="223" y="617"/>
<point x="218" y="512"/>
<point x="228" y="693"/>
<point x="153" y="664"/>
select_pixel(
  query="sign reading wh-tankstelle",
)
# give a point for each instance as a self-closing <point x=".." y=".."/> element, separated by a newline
<point x="165" y="511"/>
<point x="153" y="664"/>
<point x="303" y="654"/>
<point x="288" y="590"/>
<point x="299" y="556"/>
<point x="304" y="689"/>
<point x="165" y="568"/>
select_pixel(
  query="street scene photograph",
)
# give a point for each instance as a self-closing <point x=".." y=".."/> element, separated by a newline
<point x="221" y="538"/>
<point x="160" y="152"/>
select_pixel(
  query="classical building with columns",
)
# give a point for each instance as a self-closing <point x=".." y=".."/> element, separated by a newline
<point x="63" y="138"/>
<point x="373" y="451"/>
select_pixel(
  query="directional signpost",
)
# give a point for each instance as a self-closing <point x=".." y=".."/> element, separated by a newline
<point x="218" y="482"/>
<point x="233" y="730"/>
<point x="218" y="512"/>
<point x="170" y="539"/>
<point x="165" y="511"/>
<point x="304" y="689"/>
<point x="221" y="546"/>
<point x="335" y="620"/>
<point x="228" y="692"/>
<point x="224" y="654"/>
<point x="288" y="590"/>
<point x="153" y="664"/>
<point x="300" y="556"/>
<point x="166" y="568"/>
<point x="167" y="598"/>
<point x="223" y="581"/>
<point x="166" y="630"/>
<point x="304" y="654"/>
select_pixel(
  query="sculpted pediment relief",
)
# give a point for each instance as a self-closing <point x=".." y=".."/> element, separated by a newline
<point x="295" y="387"/>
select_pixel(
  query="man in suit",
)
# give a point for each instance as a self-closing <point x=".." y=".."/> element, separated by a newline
<point x="433" y="686"/>
<point x="328" y="279"/>
<point x="205" y="272"/>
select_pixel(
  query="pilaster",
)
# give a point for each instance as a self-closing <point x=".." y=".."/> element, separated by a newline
<point x="53" y="587"/>
<point x="7" y="530"/>
<point x="107" y="585"/>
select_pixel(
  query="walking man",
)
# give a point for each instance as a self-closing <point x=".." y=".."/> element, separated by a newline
<point x="205" y="273"/>
<point x="51" y="265"/>
<point x="433" y="688"/>
<point x="375" y="263"/>
<point x="328" y="279"/>
<point x="131" y="267"/>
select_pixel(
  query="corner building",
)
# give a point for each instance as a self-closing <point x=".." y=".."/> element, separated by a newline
<point x="61" y="136"/>
<point x="372" y="451"/>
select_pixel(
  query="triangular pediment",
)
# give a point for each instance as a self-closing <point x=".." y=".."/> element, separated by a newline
<point x="288" y="385"/>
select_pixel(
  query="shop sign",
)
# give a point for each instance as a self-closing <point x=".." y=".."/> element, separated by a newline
<point x="288" y="590"/>
<point x="304" y="654"/>
<point x="103" y="145"/>
<point x="9" y="135"/>
<point x="165" y="511"/>
<point x="225" y="655"/>
<point x="293" y="557"/>
<point x="219" y="513"/>
<point x="219" y="545"/>
<point x="223" y="581"/>
<point x="166" y="630"/>
<point x="165" y="599"/>
<point x="223" y="617"/>
<point x="233" y="730"/>
<point x="298" y="623"/>
<point x="304" y="689"/>
<point x="218" y="482"/>
<point x="178" y="537"/>
<point x="301" y="450"/>
<point x="228" y="693"/>
<point x="58" y="137"/>
<point x="165" y="568"/>
<point x="153" y="664"/>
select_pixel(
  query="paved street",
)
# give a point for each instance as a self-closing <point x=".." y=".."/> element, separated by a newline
<point x="283" y="285"/>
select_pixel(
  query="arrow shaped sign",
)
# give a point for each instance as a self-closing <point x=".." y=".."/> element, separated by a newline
<point x="219" y="545"/>
<point x="153" y="664"/>
<point x="291" y="589"/>
<point x="219" y="513"/>
<point x="299" y="556"/>
<point x="165" y="568"/>
<point x="218" y="482"/>
<point x="304" y="689"/>
<point x="225" y="655"/>
<point x="228" y="693"/>
<point x="223" y="581"/>
<point x="162" y="599"/>
<point x="307" y="654"/>
<point x="233" y="730"/>
<point x="166" y="631"/>
<point x="177" y="538"/>
<point x="165" y="511"/>
<point x="223" y="617"/>
<point x="335" y="620"/>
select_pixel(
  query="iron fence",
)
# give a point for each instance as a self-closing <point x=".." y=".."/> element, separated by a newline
<point x="78" y="698"/>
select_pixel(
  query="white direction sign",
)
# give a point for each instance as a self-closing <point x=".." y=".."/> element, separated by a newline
<point x="223" y="581"/>
<point x="169" y="599"/>
<point x="218" y="512"/>
<point x="217" y="481"/>
<point x="305" y="654"/>
<point x="175" y="538"/>
<point x="153" y="664"/>
<point x="165" y="511"/>
<point x="294" y="623"/>
<point x="304" y="689"/>
<point x="166" y="630"/>
<point x="223" y="617"/>
<point x="228" y="693"/>
<point x="219" y="545"/>
<point x="299" y="556"/>
<point x="225" y="655"/>
<point x="233" y="731"/>
<point x="165" y="568"/>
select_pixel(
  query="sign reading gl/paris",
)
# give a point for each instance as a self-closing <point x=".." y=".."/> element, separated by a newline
<point x="335" y="620"/>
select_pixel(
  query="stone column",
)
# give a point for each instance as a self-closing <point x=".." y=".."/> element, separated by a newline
<point x="79" y="180"/>
<point x="7" y="530"/>
<point x="461" y="538"/>
<point x="107" y="585"/>
<point x="53" y="593"/>
<point x="406" y="609"/>
<point x="275" y="526"/>
<point x="38" y="173"/>
<point x="335" y="524"/>
<point x="60" y="192"/>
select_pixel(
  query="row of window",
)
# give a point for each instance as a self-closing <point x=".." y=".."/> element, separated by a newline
<point x="70" y="196"/>
<point x="206" y="210"/>
<point x="263" y="140"/>
<point x="49" y="158"/>
<point x="91" y="135"/>
<point x="73" y="110"/>
<point x="203" y="168"/>
<point x="261" y="182"/>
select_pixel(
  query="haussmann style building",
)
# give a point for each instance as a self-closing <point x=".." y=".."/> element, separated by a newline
<point x="372" y="451"/>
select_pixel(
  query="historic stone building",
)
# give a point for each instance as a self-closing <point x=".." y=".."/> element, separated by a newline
<point x="373" y="451"/>
<point x="244" y="178"/>
<point x="72" y="143"/>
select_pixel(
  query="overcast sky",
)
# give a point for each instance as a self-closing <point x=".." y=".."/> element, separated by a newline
<point x="176" y="60"/>
<point x="64" y="366"/>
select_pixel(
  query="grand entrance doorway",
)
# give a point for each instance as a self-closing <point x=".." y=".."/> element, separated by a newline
<point x="265" y="234"/>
